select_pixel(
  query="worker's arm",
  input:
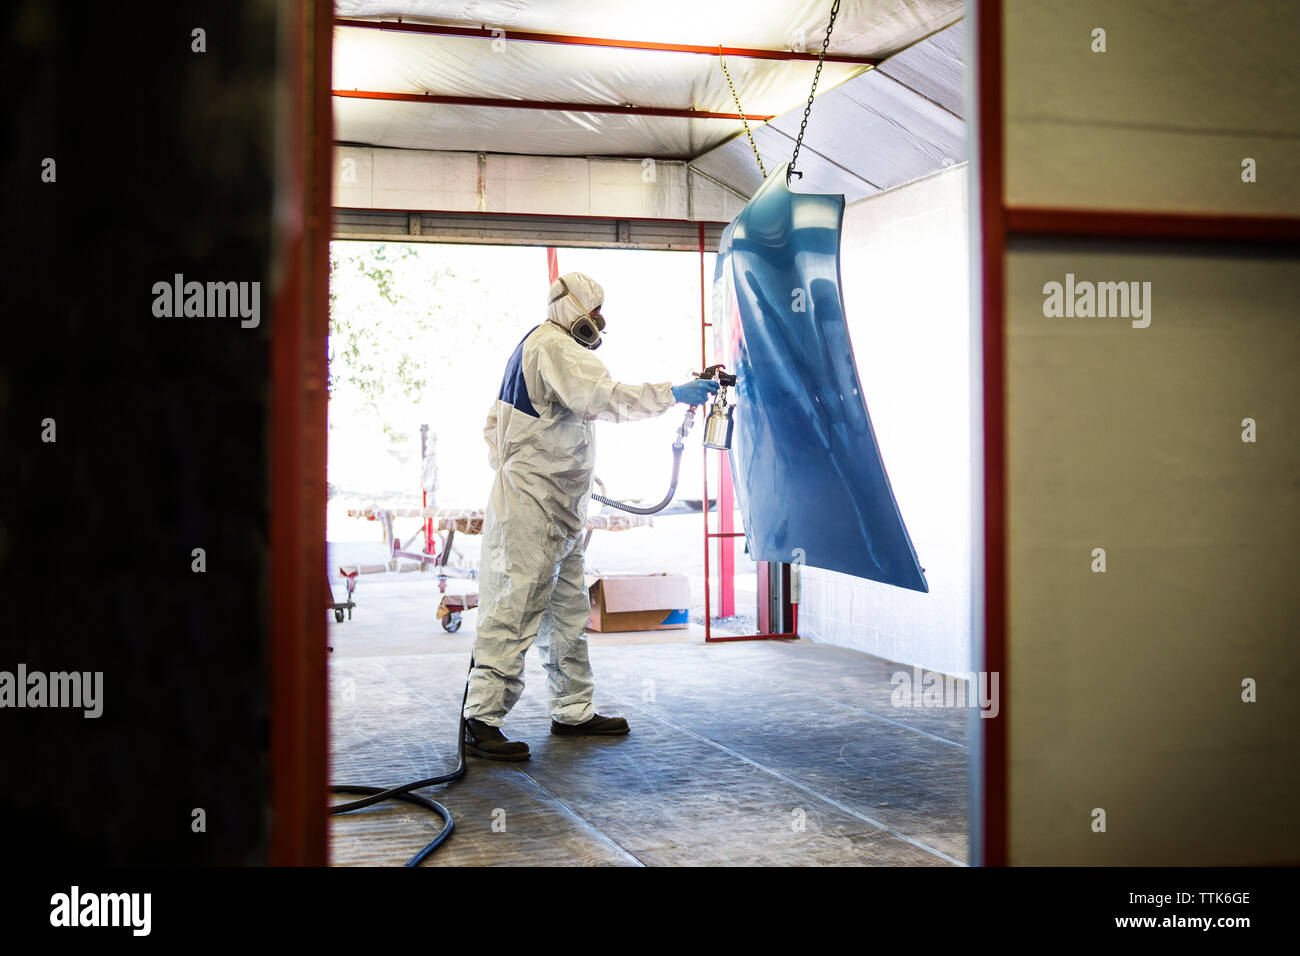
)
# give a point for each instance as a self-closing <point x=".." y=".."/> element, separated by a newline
<point x="576" y="379"/>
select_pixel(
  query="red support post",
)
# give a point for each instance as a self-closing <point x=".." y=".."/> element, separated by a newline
<point x="726" y="541"/>
<point x="990" y="209"/>
<point x="704" y="363"/>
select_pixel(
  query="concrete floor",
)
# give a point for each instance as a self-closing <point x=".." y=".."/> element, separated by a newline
<point x="750" y="753"/>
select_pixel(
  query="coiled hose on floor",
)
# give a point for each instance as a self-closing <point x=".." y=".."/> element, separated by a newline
<point x="373" y="795"/>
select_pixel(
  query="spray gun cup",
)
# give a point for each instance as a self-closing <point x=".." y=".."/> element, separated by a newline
<point x="718" y="426"/>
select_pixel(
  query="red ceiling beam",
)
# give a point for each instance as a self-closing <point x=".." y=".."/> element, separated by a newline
<point x="486" y="33"/>
<point x="547" y="105"/>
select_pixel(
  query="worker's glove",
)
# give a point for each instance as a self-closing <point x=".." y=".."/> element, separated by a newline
<point x="695" y="392"/>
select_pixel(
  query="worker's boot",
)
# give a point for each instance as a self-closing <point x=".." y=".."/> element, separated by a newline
<point x="598" y="726"/>
<point x="484" y="740"/>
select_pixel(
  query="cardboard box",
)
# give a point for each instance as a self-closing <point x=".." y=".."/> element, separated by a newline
<point x="640" y="602"/>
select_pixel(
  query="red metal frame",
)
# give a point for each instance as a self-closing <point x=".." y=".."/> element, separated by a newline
<point x="993" y="779"/>
<point x="725" y="538"/>
<point x="552" y="105"/>
<point x="726" y="562"/>
<point x="1137" y="224"/>
<point x="998" y="223"/>
<point x="300" y="324"/>
<point x="433" y="29"/>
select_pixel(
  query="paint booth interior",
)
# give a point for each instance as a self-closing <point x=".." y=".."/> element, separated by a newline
<point x="850" y="477"/>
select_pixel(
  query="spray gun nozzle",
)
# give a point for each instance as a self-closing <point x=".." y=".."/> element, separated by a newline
<point x="716" y="373"/>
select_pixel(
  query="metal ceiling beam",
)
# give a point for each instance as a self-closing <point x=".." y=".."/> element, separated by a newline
<point x="547" y="105"/>
<point x="562" y="38"/>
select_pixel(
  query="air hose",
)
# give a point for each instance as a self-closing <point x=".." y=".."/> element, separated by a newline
<point x="678" y="445"/>
<point x="373" y="795"/>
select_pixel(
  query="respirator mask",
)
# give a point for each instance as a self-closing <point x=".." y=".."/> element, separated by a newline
<point x="587" y="327"/>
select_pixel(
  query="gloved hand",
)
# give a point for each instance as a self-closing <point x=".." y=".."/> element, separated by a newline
<point x="695" y="392"/>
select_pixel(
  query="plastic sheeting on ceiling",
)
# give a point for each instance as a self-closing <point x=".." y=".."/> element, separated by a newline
<point x="809" y="477"/>
<point x="888" y="126"/>
<point x="386" y="61"/>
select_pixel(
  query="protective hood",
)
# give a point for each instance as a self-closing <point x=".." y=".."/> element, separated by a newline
<point x="563" y="309"/>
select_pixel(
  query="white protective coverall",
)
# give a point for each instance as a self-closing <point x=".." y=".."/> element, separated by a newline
<point x="541" y="441"/>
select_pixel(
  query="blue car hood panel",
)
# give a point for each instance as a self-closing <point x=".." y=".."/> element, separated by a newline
<point x="809" y="478"/>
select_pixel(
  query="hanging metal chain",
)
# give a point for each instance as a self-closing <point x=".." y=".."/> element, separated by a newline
<point x="835" y="8"/>
<point x="736" y="97"/>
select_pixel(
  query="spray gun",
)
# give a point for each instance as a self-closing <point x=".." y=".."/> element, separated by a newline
<point x="717" y="434"/>
<point x="718" y="422"/>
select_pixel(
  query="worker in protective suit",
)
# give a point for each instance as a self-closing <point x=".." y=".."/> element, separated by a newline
<point x="541" y="442"/>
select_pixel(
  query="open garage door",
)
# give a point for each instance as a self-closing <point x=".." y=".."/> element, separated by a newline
<point x="592" y="232"/>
